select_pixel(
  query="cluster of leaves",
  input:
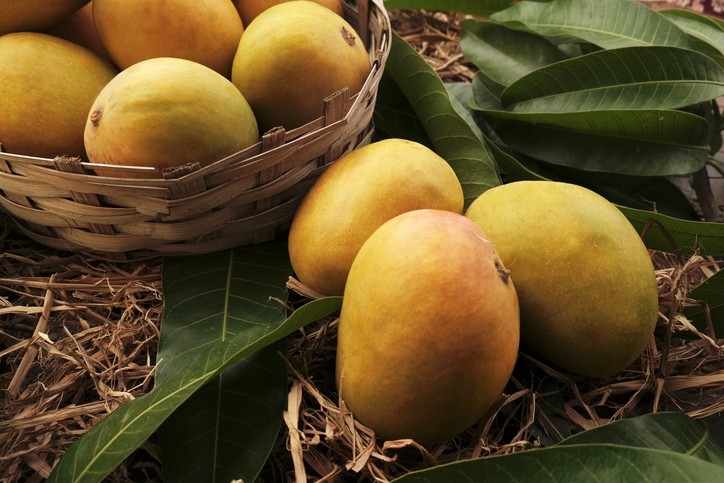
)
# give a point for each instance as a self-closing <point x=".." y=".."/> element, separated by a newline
<point x="608" y="94"/>
<point x="616" y="101"/>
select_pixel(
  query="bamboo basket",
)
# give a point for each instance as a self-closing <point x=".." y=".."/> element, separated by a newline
<point x="248" y="197"/>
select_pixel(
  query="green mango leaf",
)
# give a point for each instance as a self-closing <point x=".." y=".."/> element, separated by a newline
<point x="461" y="94"/>
<point x="209" y="299"/>
<point x="575" y="464"/>
<point x="661" y="232"/>
<point x="609" y="24"/>
<point x="663" y="126"/>
<point x="668" y="431"/>
<point x="717" y="430"/>
<point x="710" y="314"/>
<point x="472" y="7"/>
<point x="512" y="169"/>
<point x="394" y="116"/>
<point x="640" y="143"/>
<point x="624" y="79"/>
<point x="95" y="454"/>
<point x="222" y="432"/>
<point x="706" y="32"/>
<point x="486" y="93"/>
<point x="202" y="439"/>
<point x="503" y="54"/>
<point x="672" y="235"/>
<point x="660" y="447"/>
<point x="449" y="134"/>
<point x="226" y="430"/>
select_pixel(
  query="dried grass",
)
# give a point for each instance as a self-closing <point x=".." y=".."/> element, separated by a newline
<point x="78" y="336"/>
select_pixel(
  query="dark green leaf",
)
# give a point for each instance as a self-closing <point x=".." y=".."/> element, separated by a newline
<point x="660" y="232"/>
<point x="706" y="32"/>
<point x="512" y="169"/>
<point x="218" y="434"/>
<point x="625" y="79"/>
<point x="667" y="431"/>
<point x="461" y="95"/>
<point x="717" y="430"/>
<point x="394" y="116"/>
<point x="226" y="430"/>
<point x="708" y="315"/>
<point x="450" y="135"/>
<point x="503" y="54"/>
<point x="209" y="299"/>
<point x="473" y="7"/>
<point x="486" y="93"/>
<point x="666" y="127"/>
<point x="640" y="143"/>
<point x="575" y="464"/>
<point x="609" y="24"/>
<point x="95" y="454"/>
<point x="668" y="234"/>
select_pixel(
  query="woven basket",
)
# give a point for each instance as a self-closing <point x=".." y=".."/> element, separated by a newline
<point x="245" y="198"/>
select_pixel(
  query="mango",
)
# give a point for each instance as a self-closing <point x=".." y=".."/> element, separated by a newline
<point x="250" y="9"/>
<point x="585" y="280"/>
<point x="293" y="56"/>
<point x="79" y="27"/>
<point x="26" y="15"/>
<point x="428" y="329"/>
<point x="354" y="196"/>
<point x="204" y="31"/>
<point x="165" y="112"/>
<point x="48" y="85"/>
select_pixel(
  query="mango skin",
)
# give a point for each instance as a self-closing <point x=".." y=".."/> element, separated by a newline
<point x="293" y="56"/>
<point x="428" y="330"/>
<point x="27" y="15"/>
<point x="203" y="31"/>
<point x="585" y="280"/>
<point x="165" y="112"/>
<point x="250" y="9"/>
<point x="354" y="196"/>
<point x="48" y="85"/>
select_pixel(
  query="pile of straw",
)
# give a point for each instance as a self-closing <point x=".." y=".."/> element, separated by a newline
<point x="78" y="337"/>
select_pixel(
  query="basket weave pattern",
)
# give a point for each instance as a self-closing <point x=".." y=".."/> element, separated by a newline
<point x="245" y="198"/>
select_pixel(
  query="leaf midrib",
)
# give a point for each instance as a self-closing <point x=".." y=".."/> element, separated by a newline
<point x="627" y="85"/>
<point x="130" y="423"/>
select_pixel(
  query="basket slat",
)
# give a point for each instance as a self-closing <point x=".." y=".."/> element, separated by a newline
<point x="91" y="199"/>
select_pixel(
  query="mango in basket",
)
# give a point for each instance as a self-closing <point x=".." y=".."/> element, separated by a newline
<point x="293" y="56"/>
<point x="250" y="9"/>
<point x="586" y="283"/>
<point x="48" y="85"/>
<point x="429" y="328"/>
<point x="205" y="31"/>
<point x="165" y="112"/>
<point x="25" y="15"/>
<point x="80" y="28"/>
<point x="354" y="196"/>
